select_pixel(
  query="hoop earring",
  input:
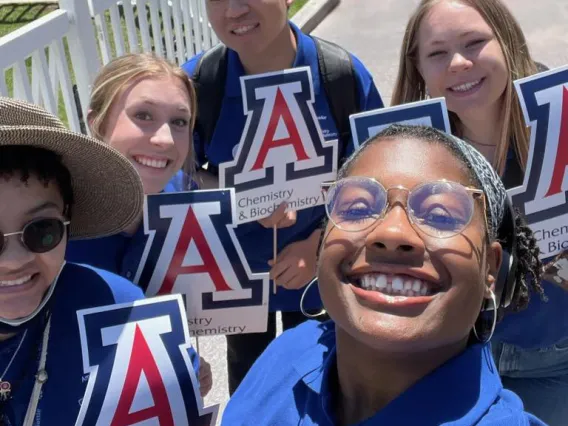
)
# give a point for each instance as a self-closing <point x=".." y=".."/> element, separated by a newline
<point x="307" y="314"/>
<point x="494" y="323"/>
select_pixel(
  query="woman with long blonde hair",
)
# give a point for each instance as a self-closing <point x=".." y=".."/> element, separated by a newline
<point x="145" y="108"/>
<point x="470" y="52"/>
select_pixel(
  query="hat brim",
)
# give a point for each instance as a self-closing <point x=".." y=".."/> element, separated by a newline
<point x="107" y="190"/>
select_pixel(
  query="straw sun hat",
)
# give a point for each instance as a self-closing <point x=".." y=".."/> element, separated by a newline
<point x="106" y="187"/>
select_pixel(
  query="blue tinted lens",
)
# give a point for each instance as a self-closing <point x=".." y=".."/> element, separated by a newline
<point x="355" y="203"/>
<point x="441" y="208"/>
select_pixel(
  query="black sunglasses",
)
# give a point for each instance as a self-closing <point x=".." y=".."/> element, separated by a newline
<point x="39" y="235"/>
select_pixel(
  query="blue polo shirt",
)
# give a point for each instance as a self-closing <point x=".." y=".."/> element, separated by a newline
<point x="78" y="287"/>
<point x="288" y="385"/>
<point x="256" y="240"/>
<point x="121" y="253"/>
<point x="542" y="324"/>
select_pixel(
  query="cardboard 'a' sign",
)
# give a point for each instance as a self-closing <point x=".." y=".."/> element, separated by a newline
<point x="139" y="367"/>
<point x="543" y="196"/>
<point x="282" y="154"/>
<point x="432" y="113"/>
<point x="192" y="249"/>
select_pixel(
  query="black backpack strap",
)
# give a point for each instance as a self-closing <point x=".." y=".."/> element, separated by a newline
<point x="209" y="79"/>
<point x="340" y="85"/>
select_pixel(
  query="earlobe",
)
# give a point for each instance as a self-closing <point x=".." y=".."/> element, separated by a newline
<point x="90" y="119"/>
<point x="494" y="259"/>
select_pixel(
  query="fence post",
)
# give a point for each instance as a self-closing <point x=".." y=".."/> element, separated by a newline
<point x="82" y="48"/>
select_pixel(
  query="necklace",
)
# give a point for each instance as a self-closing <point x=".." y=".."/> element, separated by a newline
<point x="6" y="386"/>
<point x="479" y="143"/>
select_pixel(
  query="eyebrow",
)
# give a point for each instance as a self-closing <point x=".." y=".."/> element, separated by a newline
<point x="179" y="107"/>
<point x="462" y="35"/>
<point x="43" y="206"/>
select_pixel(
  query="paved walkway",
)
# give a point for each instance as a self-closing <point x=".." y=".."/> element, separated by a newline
<point x="373" y="30"/>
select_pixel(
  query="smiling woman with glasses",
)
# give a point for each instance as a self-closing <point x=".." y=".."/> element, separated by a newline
<point x="409" y="273"/>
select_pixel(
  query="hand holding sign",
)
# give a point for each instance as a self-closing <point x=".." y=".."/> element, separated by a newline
<point x="543" y="196"/>
<point x="205" y="377"/>
<point x="280" y="218"/>
<point x="295" y="265"/>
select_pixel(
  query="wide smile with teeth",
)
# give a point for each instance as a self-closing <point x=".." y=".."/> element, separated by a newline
<point x="151" y="162"/>
<point x="244" y="29"/>
<point x="396" y="285"/>
<point x="466" y="86"/>
<point x="13" y="283"/>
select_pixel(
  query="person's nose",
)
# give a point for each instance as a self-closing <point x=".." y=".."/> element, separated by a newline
<point x="14" y="255"/>
<point x="394" y="236"/>
<point x="460" y="62"/>
<point x="236" y="8"/>
<point x="163" y="136"/>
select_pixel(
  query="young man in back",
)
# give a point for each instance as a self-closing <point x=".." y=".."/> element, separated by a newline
<point x="259" y="38"/>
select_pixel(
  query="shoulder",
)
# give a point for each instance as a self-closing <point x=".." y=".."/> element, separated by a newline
<point x="179" y="183"/>
<point x="508" y="411"/>
<point x="369" y="97"/>
<point x="267" y="393"/>
<point x="360" y="69"/>
<point x="191" y="64"/>
<point x="302" y="338"/>
<point x="540" y="67"/>
<point x="96" y="286"/>
<point x="99" y="252"/>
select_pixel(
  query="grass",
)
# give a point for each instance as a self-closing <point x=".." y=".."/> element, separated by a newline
<point x="297" y="5"/>
<point x="13" y="17"/>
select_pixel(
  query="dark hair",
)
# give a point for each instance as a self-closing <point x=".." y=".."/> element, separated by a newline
<point x="43" y="164"/>
<point x="529" y="268"/>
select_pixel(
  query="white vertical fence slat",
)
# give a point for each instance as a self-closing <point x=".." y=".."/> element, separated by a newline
<point x="56" y="58"/>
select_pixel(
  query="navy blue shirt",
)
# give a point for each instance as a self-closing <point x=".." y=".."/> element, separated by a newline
<point x="256" y="240"/>
<point x="542" y="324"/>
<point x="121" y="253"/>
<point x="289" y="385"/>
<point x="78" y="287"/>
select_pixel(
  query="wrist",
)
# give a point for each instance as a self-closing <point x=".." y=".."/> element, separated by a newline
<point x="315" y="236"/>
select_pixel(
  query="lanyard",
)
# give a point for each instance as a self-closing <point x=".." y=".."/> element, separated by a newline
<point x="40" y="379"/>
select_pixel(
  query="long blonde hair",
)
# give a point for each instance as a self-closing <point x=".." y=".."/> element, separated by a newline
<point x="116" y="76"/>
<point x="410" y="85"/>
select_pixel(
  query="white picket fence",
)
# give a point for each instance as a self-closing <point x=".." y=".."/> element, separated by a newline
<point x="34" y="57"/>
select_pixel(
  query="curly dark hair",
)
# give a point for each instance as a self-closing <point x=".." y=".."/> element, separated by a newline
<point x="45" y="165"/>
<point x="529" y="268"/>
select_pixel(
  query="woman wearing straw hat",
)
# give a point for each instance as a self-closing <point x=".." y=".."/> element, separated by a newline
<point x="55" y="185"/>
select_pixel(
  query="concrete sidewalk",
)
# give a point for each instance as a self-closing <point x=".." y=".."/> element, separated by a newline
<point x="373" y="30"/>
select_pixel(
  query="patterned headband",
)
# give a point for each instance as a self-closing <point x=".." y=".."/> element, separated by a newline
<point x="491" y="183"/>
